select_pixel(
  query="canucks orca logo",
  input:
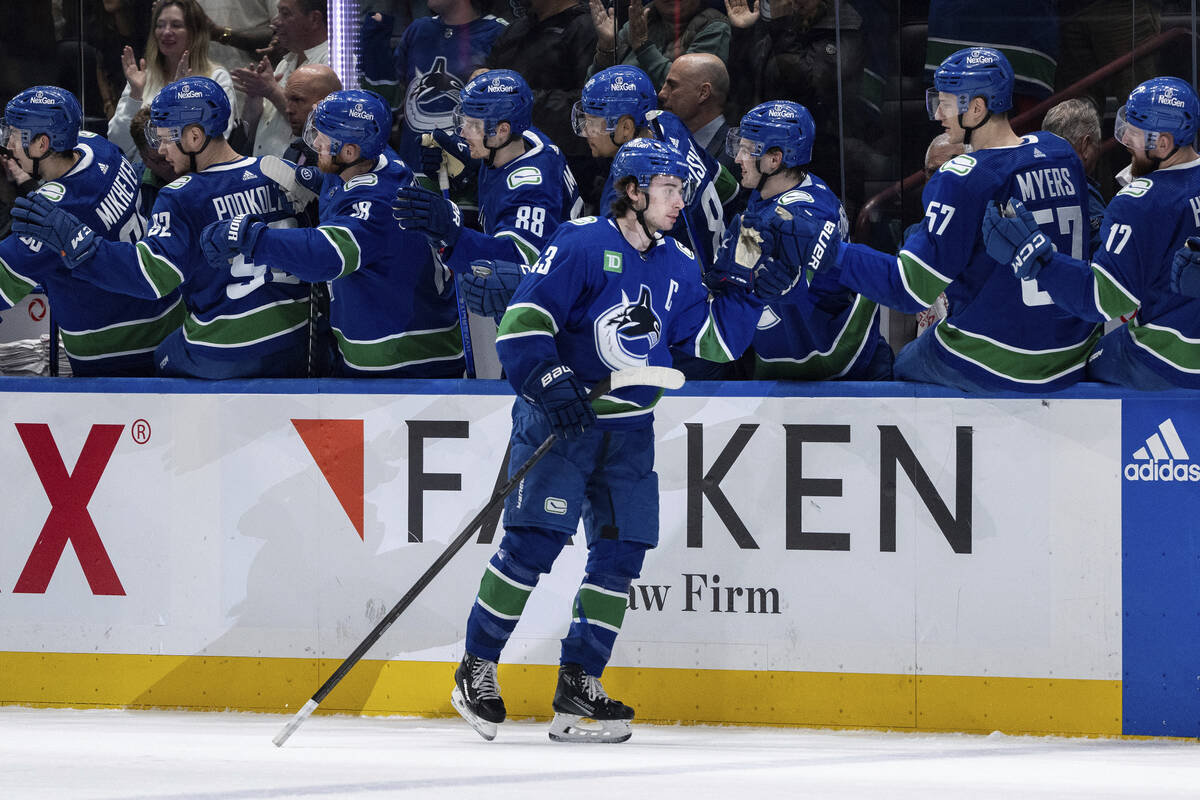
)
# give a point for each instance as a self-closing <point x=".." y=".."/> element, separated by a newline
<point x="432" y="98"/>
<point x="628" y="331"/>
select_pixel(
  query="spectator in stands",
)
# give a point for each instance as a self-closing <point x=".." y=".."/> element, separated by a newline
<point x="307" y="86"/>
<point x="177" y="47"/>
<point x="432" y="63"/>
<point x="655" y="36"/>
<point x="154" y="171"/>
<point x="695" y="90"/>
<point x="237" y="28"/>
<point x="1077" y="121"/>
<point x="301" y="28"/>
<point x="550" y="43"/>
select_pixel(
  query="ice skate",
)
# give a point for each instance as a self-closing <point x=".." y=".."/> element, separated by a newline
<point x="476" y="695"/>
<point x="583" y="712"/>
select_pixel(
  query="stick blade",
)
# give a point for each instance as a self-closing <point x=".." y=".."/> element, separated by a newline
<point x="662" y="377"/>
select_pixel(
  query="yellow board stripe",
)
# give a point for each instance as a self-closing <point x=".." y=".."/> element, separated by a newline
<point x="746" y="697"/>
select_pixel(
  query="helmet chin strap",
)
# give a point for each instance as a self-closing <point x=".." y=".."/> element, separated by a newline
<point x="192" y="156"/>
<point x="640" y="215"/>
<point x="969" y="129"/>
<point x="490" y="160"/>
<point x="1153" y="159"/>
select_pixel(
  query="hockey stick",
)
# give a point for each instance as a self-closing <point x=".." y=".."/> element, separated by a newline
<point x="464" y="321"/>
<point x="662" y="377"/>
<point x="283" y="173"/>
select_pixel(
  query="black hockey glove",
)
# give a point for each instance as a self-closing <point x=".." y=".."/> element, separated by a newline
<point x="555" y="391"/>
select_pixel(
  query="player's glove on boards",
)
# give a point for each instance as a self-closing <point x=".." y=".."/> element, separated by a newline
<point x="555" y="391"/>
<point x="40" y="219"/>
<point x="1011" y="237"/>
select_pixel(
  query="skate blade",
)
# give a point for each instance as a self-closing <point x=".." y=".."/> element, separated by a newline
<point x="573" y="728"/>
<point x="484" y="728"/>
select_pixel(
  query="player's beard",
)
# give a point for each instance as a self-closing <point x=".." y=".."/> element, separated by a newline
<point x="1140" y="165"/>
<point x="325" y="164"/>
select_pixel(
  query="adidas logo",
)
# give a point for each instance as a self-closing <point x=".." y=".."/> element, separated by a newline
<point x="1164" y="458"/>
<point x="1038" y="153"/>
<point x="247" y="175"/>
<point x="104" y="169"/>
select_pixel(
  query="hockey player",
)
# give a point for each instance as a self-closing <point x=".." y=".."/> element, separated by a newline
<point x="1130" y="275"/>
<point x="103" y="333"/>
<point x="605" y="294"/>
<point x="819" y="330"/>
<point x="245" y="321"/>
<point x="619" y="104"/>
<point x="525" y="191"/>
<point x="386" y="308"/>
<point x="1001" y="333"/>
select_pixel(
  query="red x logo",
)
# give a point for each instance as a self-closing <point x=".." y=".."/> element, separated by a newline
<point x="69" y="519"/>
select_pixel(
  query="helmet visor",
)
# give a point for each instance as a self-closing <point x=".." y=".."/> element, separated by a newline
<point x="736" y="146"/>
<point x="1131" y="135"/>
<point x="321" y="144"/>
<point x="585" y="124"/>
<point x="156" y="136"/>
<point x="941" y="105"/>
<point x="469" y="126"/>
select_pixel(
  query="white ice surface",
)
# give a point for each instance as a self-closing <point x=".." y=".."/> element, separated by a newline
<point x="142" y="754"/>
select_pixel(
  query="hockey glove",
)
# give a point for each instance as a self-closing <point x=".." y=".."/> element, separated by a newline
<point x="418" y="209"/>
<point x="225" y="239"/>
<point x="1185" y="269"/>
<point x="734" y="264"/>
<point x="488" y="287"/>
<point x="555" y="391"/>
<point x="441" y="148"/>
<point x="774" y="278"/>
<point x="1011" y="237"/>
<point x="40" y="219"/>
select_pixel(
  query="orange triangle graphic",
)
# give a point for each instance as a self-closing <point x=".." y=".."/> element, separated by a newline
<point x="337" y="447"/>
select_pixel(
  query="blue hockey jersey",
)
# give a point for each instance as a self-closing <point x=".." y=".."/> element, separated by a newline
<point x="433" y="62"/>
<point x="521" y="204"/>
<point x="595" y="303"/>
<point x="1003" y="333"/>
<point x="103" y="333"/>
<point x="246" y="311"/>
<point x="819" y="330"/>
<point x="706" y="212"/>
<point x="1129" y="275"/>
<point x="386" y="307"/>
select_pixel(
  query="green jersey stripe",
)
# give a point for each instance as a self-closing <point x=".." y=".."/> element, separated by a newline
<point x="134" y="336"/>
<point x="1112" y="299"/>
<point x="921" y="281"/>
<point x="401" y="349"/>
<point x="529" y="253"/>
<point x="832" y="363"/>
<point x="160" y="273"/>
<point x="1014" y="363"/>
<point x="346" y="245"/>
<point x="709" y="344"/>
<point x="616" y="408"/>
<point x="254" y="326"/>
<point x="1168" y="345"/>
<point x="526" y="318"/>
<point x="13" y="285"/>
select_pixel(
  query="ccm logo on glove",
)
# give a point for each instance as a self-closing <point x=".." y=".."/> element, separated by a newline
<point x="1031" y="247"/>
